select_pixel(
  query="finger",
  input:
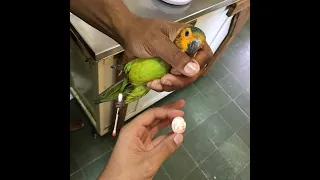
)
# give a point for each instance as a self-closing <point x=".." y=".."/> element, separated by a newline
<point x="176" y="58"/>
<point x="165" y="148"/>
<point x="173" y="105"/>
<point x="163" y="123"/>
<point x="151" y="115"/>
<point x="155" y="85"/>
<point x="159" y="139"/>
<point x="171" y="82"/>
<point x="159" y="126"/>
<point x="175" y="72"/>
<point x="204" y="55"/>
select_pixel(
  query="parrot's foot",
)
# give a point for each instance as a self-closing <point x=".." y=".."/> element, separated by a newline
<point x="76" y="125"/>
<point x="118" y="67"/>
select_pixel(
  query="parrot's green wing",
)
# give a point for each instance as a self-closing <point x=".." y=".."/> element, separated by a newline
<point x="144" y="70"/>
<point x="112" y="92"/>
<point x="136" y="93"/>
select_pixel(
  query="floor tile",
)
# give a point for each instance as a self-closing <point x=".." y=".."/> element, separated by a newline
<point x="231" y="86"/>
<point x="164" y="131"/>
<point x="196" y="174"/>
<point x="161" y="175"/>
<point x="186" y="92"/>
<point x="244" y="134"/>
<point x="218" y="71"/>
<point x="233" y="115"/>
<point x="244" y="174"/>
<point x="235" y="42"/>
<point x="198" y="144"/>
<point x="196" y="110"/>
<point x="236" y="152"/>
<point x="244" y="34"/>
<point x="166" y="100"/>
<point x="179" y="164"/>
<point x="243" y="75"/>
<point x="234" y="57"/>
<point x="73" y="165"/>
<point x="78" y="176"/>
<point x="93" y="170"/>
<point x="244" y="102"/>
<point x="88" y="148"/>
<point x="217" y="167"/>
<point x="213" y="93"/>
<point x="216" y="129"/>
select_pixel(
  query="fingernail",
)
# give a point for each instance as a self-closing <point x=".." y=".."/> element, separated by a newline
<point x="191" y="68"/>
<point x="178" y="138"/>
<point x="167" y="82"/>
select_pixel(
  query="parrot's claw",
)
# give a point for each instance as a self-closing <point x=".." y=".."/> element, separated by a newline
<point x="118" y="67"/>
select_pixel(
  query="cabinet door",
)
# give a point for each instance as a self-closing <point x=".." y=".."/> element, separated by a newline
<point x="211" y="23"/>
<point x="144" y="102"/>
<point x="214" y="45"/>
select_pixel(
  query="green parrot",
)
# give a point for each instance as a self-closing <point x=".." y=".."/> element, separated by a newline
<point x="140" y="71"/>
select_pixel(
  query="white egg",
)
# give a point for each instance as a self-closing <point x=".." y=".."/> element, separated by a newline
<point x="178" y="125"/>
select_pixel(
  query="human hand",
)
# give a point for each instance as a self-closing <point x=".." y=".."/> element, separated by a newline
<point x="146" y="38"/>
<point x="136" y="154"/>
<point x="175" y="81"/>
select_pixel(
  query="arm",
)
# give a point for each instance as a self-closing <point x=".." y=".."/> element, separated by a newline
<point x="140" y="37"/>
<point x="111" y="17"/>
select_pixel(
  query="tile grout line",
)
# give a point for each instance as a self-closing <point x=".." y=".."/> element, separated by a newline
<point x="242" y="140"/>
<point x="233" y="100"/>
<point x="200" y="92"/>
<point x="243" y="168"/>
<point x="233" y="75"/>
<point x="197" y="165"/>
<point x="95" y="159"/>
<point x="166" y="172"/>
<point x="235" y="132"/>
<point x="75" y="172"/>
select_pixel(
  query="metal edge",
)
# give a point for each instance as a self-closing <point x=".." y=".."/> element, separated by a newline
<point x="91" y="118"/>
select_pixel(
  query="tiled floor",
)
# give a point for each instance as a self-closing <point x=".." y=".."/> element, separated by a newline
<point x="217" y="141"/>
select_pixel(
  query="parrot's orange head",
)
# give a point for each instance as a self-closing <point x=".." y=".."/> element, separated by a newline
<point x="190" y="40"/>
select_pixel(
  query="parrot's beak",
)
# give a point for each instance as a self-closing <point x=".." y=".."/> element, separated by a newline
<point x="193" y="46"/>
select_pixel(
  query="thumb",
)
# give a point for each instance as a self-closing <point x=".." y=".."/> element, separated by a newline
<point x="179" y="60"/>
<point x="166" y="147"/>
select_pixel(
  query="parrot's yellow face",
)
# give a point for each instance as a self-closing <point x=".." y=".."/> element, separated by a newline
<point x="190" y="40"/>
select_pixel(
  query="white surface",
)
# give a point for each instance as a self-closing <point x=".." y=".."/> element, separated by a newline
<point x="214" y="45"/>
<point x="177" y="2"/>
<point x="144" y="102"/>
<point x="211" y="23"/>
<point x="71" y="97"/>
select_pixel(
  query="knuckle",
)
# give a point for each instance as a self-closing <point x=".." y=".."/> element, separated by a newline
<point x="167" y="150"/>
<point x="178" y="58"/>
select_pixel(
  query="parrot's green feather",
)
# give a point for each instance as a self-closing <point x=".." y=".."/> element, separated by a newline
<point x="143" y="70"/>
<point x="137" y="93"/>
<point x="112" y="92"/>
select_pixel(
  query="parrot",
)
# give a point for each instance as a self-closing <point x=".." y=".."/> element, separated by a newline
<point x="139" y="71"/>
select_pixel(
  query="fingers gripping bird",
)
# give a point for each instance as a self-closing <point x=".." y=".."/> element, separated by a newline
<point x="140" y="71"/>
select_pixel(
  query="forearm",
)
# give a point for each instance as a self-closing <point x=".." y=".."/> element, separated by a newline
<point x="111" y="17"/>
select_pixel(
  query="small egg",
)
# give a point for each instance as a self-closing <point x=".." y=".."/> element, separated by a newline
<point x="178" y="125"/>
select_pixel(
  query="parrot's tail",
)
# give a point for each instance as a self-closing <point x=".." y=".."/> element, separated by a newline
<point x="112" y="92"/>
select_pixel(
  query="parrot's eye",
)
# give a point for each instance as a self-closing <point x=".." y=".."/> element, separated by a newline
<point x="186" y="34"/>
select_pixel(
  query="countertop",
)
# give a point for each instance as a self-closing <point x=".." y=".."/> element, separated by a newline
<point x="100" y="45"/>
